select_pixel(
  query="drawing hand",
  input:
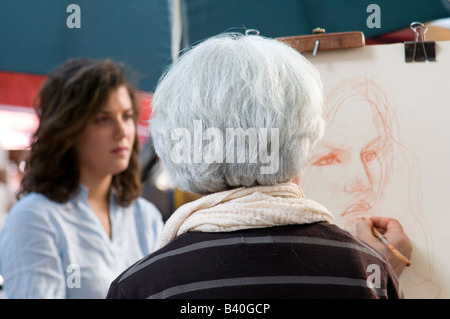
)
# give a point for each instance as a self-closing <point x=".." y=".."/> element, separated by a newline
<point x="393" y="231"/>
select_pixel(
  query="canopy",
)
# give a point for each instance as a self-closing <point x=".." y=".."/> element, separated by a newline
<point x="146" y="35"/>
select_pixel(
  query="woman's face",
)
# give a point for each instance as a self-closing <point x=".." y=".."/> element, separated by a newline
<point x="345" y="171"/>
<point x="105" y="145"/>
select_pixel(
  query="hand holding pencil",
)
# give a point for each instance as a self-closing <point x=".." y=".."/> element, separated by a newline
<point x="393" y="250"/>
<point x="387" y="236"/>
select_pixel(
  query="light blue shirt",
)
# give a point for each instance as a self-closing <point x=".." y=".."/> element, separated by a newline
<point x="52" y="250"/>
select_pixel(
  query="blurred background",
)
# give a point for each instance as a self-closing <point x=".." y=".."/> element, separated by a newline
<point x="147" y="35"/>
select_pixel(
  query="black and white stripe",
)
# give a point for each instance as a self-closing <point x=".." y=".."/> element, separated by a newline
<point x="251" y="241"/>
<point x="298" y="261"/>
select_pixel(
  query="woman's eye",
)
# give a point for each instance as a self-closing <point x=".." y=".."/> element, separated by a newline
<point x="128" y="116"/>
<point x="327" y="160"/>
<point x="101" y="119"/>
<point x="368" y="156"/>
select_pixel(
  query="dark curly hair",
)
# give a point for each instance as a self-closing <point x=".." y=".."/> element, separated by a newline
<point x="73" y="93"/>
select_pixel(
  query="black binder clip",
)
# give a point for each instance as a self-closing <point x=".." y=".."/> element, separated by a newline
<point x="419" y="50"/>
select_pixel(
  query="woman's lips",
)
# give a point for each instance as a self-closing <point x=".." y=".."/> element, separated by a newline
<point x="359" y="207"/>
<point x="120" y="150"/>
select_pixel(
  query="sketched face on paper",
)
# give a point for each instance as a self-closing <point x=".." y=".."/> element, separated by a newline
<point x="346" y="163"/>
<point x="349" y="168"/>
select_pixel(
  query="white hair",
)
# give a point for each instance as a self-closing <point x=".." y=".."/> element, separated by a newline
<point x="239" y="82"/>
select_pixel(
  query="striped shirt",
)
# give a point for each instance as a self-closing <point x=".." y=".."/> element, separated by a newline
<point x="299" y="261"/>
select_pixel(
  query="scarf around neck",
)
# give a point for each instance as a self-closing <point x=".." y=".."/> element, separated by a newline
<point x="245" y="208"/>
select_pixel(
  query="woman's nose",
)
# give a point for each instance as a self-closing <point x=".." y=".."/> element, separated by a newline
<point x="358" y="180"/>
<point x="120" y="129"/>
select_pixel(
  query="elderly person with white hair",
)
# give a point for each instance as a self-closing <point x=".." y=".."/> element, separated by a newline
<point x="234" y="119"/>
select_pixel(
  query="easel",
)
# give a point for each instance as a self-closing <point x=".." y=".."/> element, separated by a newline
<point x="415" y="51"/>
<point x="402" y="108"/>
<point x="320" y="40"/>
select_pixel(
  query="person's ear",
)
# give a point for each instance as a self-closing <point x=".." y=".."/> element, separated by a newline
<point x="296" y="180"/>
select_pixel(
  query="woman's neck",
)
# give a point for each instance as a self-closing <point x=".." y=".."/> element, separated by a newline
<point x="98" y="187"/>
<point x="98" y="198"/>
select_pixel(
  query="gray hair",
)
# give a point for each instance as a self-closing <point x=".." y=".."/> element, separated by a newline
<point x="233" y="84"/>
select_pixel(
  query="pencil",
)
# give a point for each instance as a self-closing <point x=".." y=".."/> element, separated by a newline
<point x="394" y="250"/>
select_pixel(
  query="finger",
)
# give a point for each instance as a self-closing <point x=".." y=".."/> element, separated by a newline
<point x="386" y="224"/>
<point x="364" y="228"/>
<point x="364" y="222"/>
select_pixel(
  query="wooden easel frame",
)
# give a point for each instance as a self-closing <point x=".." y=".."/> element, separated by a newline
<point x="325" y="41"/>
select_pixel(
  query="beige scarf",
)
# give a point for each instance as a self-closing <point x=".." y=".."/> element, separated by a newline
<point x="245" y="208"/>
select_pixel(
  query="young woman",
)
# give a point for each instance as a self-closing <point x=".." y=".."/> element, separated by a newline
<point x="79" y="221"/>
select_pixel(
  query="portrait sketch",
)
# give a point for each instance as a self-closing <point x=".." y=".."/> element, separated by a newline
<point x="374" y="159"/>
